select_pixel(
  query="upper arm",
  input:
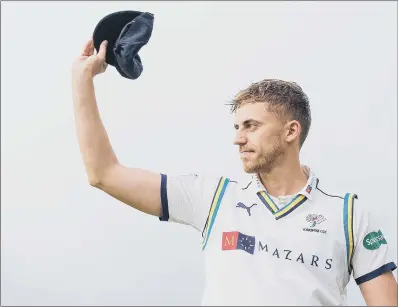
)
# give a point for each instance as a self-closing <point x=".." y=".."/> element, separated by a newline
<point x="184" y="199"/>
<point x="133" y="186"/>
<point x="380" y="291"/>
<point x="371" y="262"/>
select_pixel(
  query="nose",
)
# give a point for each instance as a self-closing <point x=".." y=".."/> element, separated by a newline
<point x="240" y="139"/>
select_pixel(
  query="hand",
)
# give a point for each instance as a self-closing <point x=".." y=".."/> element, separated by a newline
<point x="90" y="63"/>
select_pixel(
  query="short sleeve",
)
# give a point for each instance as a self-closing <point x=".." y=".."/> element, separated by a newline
<point x="370" y="257"/>
<point x="186" y="199"/>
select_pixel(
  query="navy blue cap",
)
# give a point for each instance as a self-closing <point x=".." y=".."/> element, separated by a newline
<point x="126" y="32"/>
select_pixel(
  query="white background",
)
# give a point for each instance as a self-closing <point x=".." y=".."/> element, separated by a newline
<point x="66" y="243"/>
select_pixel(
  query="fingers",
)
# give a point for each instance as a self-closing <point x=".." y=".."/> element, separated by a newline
<point x="104" y="67"/>
<point x="91" y="48"/>
<point x="102" y="51"/>
<point x="87" y="48"/>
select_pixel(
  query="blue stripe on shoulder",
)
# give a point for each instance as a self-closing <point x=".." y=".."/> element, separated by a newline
<point x="218" y="196"/>
<point x="348" y="221"/>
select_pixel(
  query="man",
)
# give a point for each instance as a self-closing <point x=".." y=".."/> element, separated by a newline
<point x="276" y="240"/>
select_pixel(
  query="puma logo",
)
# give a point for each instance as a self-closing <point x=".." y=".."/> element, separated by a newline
<point x="243" y="206"/>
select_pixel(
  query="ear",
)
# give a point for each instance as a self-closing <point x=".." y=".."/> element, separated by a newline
<point x="293" y="129"/>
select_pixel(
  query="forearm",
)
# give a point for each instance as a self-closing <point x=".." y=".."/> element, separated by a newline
<point x="93" y="140"/>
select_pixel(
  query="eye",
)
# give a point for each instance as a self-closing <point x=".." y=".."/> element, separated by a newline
<point x="251" y="127"/>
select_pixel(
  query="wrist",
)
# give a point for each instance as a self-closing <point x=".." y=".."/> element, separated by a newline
<point x="83" y="76"/>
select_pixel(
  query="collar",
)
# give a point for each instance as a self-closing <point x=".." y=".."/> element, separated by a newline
<point x="307" y="190"/>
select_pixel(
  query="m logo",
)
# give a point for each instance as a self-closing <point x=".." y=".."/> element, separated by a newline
<point x="243" y="206"/>
<point x="315" y="219"/>
<point x="234" y="240"/>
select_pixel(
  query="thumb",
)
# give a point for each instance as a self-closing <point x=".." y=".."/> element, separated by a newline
<point x="102" y="51"/>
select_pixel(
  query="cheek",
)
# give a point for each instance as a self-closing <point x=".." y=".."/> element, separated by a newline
<point x="266" y="138"/>
<point x="257" y="139"/>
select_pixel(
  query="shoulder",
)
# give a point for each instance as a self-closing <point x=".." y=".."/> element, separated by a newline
<point x="347" y="201"/>
<point x="213" y="183"/>
<point x="205" y="181"/>
<point x="329" y="195"/>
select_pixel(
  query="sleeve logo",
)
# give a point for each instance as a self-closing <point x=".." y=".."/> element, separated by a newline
<point x="374" y="240"/>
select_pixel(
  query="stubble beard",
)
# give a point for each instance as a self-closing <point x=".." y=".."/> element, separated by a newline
<point x="265" y="163"/>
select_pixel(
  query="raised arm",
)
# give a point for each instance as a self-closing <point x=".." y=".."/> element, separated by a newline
<point x="136" y="187"/>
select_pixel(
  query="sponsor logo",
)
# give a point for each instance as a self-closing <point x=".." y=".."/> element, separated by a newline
<point x="235" y="240"/>
<point x="374" y="240"/>
<point x="243" y="206"/>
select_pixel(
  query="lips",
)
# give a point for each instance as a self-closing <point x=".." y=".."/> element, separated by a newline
<point x="246" y="153"/>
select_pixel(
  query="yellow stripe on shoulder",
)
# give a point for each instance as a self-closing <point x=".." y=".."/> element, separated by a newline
<point x="215" y="205"/>
<point x="348" y="218"/>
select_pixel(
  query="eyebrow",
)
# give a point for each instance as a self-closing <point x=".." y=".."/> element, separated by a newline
<point x="248" y="122"/>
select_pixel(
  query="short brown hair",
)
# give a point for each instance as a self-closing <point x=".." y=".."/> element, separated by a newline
<point x="285" y="98"/>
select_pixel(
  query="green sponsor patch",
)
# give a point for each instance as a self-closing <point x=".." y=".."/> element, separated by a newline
<point x="374" y="240"/>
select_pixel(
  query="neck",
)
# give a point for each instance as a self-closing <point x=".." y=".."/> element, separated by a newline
<point x="287" y="178"/>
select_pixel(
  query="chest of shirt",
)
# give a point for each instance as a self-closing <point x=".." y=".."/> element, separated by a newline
<point x="311" y="234"/>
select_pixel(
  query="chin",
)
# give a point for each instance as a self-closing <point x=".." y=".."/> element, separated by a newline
<point x="250" y="167"/>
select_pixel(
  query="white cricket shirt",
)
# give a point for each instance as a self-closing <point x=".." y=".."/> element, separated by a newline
<point x="256" y="253"/>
